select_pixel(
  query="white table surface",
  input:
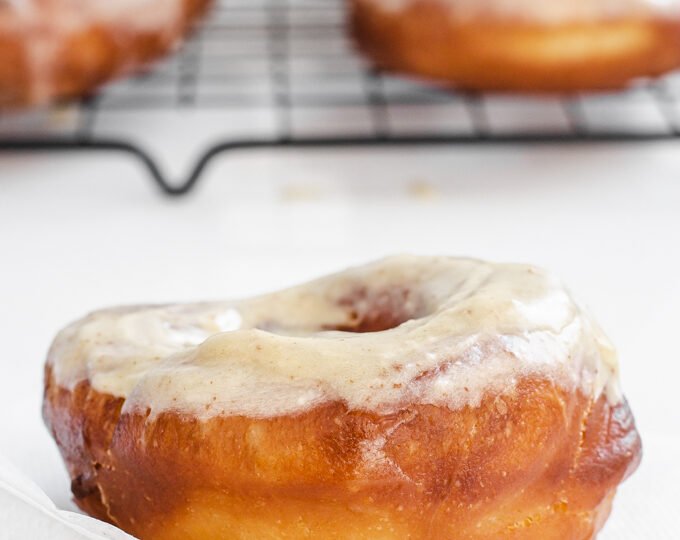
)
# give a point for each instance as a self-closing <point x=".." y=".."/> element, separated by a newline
<point x="86" y="231"/>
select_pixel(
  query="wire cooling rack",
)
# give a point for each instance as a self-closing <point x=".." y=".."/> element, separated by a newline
<point x="283" y="73"/>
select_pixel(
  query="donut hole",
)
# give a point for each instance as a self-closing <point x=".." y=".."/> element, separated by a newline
<point x="377" y="310"/>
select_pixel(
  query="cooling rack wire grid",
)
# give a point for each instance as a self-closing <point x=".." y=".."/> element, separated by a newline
<point x="283" y="73"/>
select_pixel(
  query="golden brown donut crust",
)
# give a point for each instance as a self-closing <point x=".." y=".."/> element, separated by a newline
<point x="84" y="58"/>
<point x="425" y="40"/>
<point x="537" y="463"/>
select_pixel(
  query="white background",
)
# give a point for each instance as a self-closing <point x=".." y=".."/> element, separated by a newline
<point x="81" y="232"/>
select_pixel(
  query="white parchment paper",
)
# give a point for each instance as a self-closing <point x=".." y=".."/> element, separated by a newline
<point x="26" y="512"/>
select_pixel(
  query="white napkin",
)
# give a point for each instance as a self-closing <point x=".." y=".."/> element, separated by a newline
<point x="27" y="513"/>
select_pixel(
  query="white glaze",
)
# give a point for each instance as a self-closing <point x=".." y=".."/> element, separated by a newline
<point x="546" y="11"/>
<point x="479" y="328"/>
<point x="52" y="15"/>
<point x="44" y="27"/>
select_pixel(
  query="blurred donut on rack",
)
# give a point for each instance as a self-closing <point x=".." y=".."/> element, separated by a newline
<point x="52" y="50"/>
<point x="521" y="45"/>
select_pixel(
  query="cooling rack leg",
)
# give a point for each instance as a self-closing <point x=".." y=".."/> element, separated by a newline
<point x="176" y="189"/>
<point x="97" y="146"/>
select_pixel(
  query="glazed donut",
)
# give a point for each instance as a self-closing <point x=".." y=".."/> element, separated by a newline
<point x="58" y="49"/>
<point x="521" y="45"/>
<point x="414" y="397"/>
